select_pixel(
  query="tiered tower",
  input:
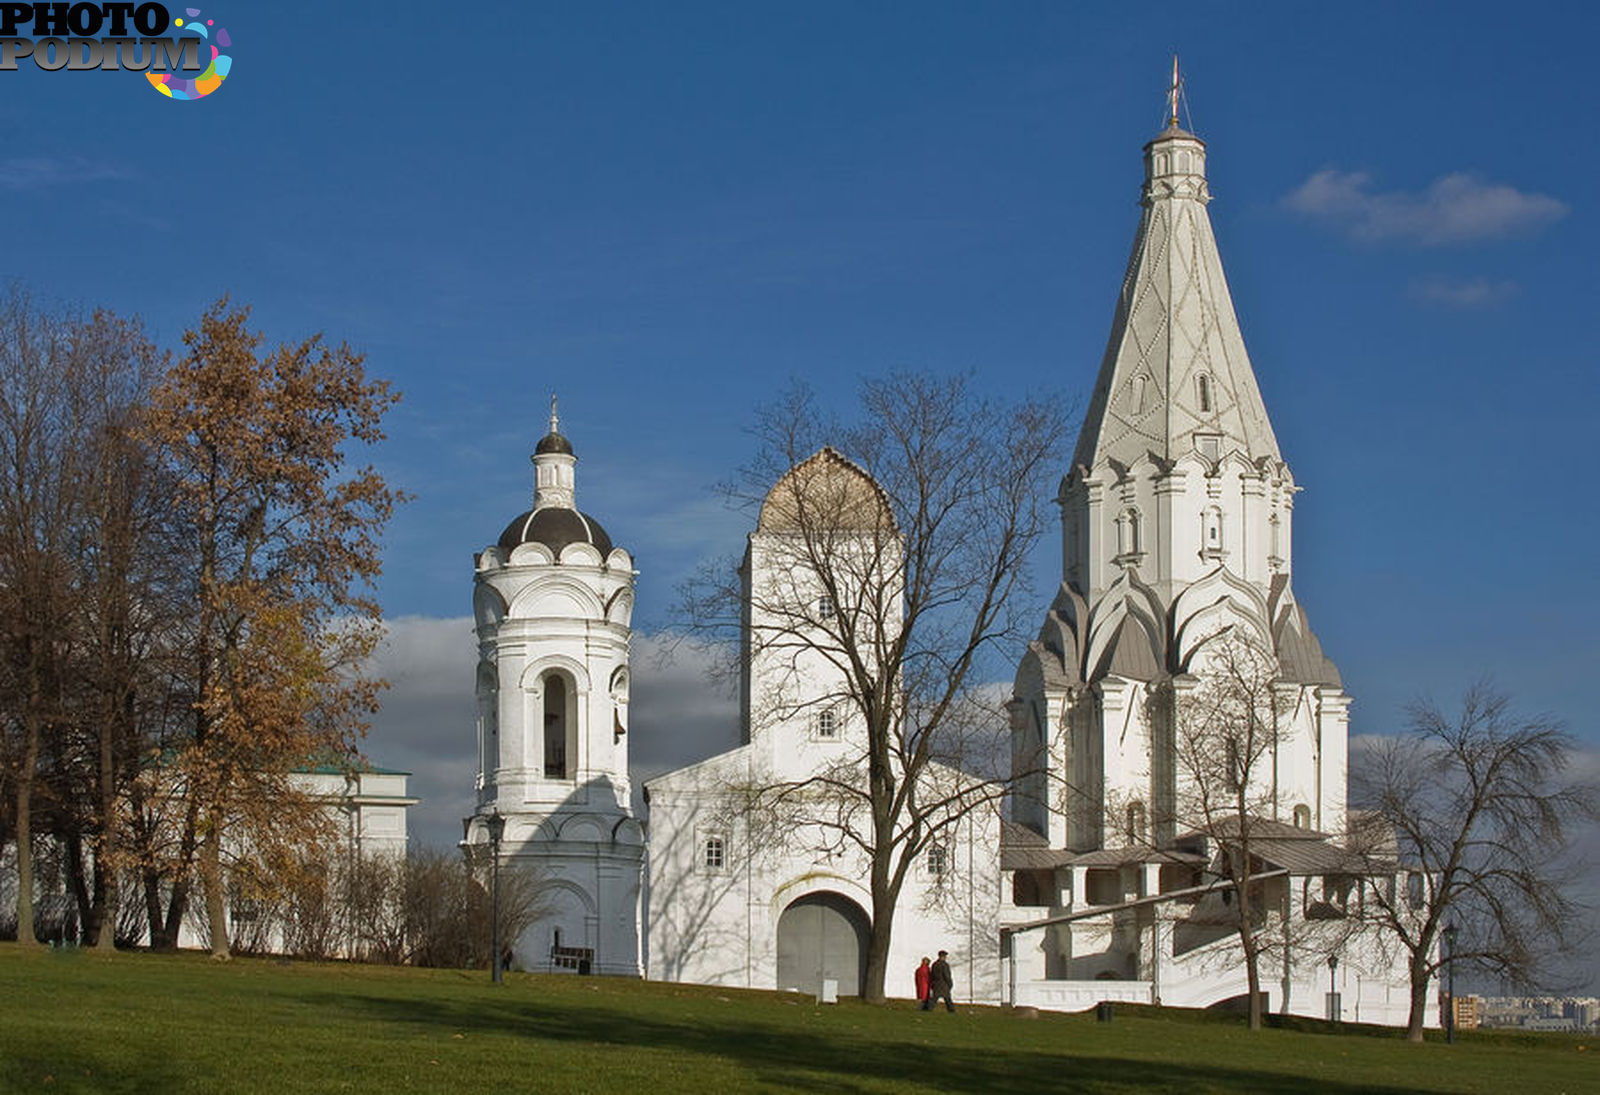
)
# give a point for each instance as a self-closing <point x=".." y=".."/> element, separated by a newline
<point x="552" y="602"/>
<point x="1176" y="530"/>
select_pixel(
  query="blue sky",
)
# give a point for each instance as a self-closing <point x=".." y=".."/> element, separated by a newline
<point x="666" y="211"/>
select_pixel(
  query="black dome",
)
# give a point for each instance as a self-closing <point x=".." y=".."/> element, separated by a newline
<point x="555" y="528"/>
<point x="552" y="442"/>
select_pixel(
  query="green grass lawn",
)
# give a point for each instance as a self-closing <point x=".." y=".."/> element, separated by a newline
<point x="86" y="1022"/>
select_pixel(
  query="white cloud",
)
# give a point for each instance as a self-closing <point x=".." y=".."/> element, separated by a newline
<point x="1466" y="293"/>
<point x="34" y="172"/>
<point x="1455" y="208"/>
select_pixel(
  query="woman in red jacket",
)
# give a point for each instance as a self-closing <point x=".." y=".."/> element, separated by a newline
<point x="922" y="986"/>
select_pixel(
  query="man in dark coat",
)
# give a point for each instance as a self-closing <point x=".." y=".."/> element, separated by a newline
<point x="939" y="984"/>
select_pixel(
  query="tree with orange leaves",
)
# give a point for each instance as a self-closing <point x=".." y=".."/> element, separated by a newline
<point x="283" y="536"/>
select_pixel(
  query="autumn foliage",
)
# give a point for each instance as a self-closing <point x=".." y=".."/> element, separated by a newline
<point x="214" y="575"/>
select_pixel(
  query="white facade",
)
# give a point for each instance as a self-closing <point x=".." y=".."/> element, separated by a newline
<point x="1177" y="519"/>
<point x="774" y="897"/>
<point x="368" y="808"/>
<point x="552" y="602"/>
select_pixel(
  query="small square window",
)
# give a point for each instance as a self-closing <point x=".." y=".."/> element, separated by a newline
<point x="825" y="609"/>
<point x="938" y="860"/>
<point x="827" y="724"/>
<point x="714" y="855"/>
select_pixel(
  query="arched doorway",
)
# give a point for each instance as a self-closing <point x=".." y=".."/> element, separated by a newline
<point x="822" y="936"/>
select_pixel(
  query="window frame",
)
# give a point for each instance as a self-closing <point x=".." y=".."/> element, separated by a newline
<point x="713" y="853"/>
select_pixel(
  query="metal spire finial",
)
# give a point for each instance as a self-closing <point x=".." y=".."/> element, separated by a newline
<point x="555" y="419"/>
<point x="1173" y="92"/>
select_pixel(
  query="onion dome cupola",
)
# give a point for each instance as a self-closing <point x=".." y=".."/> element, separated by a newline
<point x="554" y="520"/>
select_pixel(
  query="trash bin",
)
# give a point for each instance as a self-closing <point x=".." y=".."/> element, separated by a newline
<point x="1102" y="1012"/>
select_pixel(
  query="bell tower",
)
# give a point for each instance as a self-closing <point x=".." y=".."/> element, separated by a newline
<point x="552" y="603"/>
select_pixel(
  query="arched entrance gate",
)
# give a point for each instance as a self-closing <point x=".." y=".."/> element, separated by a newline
<point x="822" y="936"/>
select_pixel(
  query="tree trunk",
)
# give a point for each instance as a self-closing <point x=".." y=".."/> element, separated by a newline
<point x="877" y="957"/>
<point x="77" y="881"/>
<point x="1417" y="1019"/>
<point x="1252" y="972"/>
<point x="30" y="762"/>
<point x="99" y="925"/>
<point x="105" y="874"/>
<point x="159" y="940"/>
<point x="1247" y="943"/>
<point x="178" y="903"/>
<point x="216" y="900"/>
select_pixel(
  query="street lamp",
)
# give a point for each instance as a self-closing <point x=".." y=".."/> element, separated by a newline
<point x="497" y="829"/>
<point x="1334" y="1004"/>
<point x="1450" y="974"/>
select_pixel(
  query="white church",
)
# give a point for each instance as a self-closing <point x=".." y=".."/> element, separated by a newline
<point x="1099" y="884"/>
<point x="776" y="896"/>
<point x="1176" y="516"/>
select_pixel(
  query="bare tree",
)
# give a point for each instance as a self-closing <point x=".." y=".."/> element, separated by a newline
<point x="895" y="569"/>
<point x="1227" y="724"/>
<point x="69" y="386"/>
<point x="447" y="903"/>
<point x="1479" y="805"/>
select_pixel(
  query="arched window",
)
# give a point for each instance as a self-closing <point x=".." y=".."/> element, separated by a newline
<point x="714" y="854"/>
<point x="1129" y="535"/>
<point x="619" y="704"/>
<point x="1275" y="532"/>
<point x="488" y="718"/>
<point x="1134" y="829"/>
<point x="938" y="860"/>
<point x="1138" y="394"/>
<point x="1204" y="384"/>
<point x="1302" y="816"/>
<point x="1211" y="542"/>
<point x="560" y="739"/>
<point x="1415" y="894"/>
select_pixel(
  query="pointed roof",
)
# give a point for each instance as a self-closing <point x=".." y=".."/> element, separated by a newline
<point x="827" y="490"/>
<point x="1175" y="365"/>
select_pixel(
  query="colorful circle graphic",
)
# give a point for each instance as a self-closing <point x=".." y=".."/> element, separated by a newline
<point x="173" y="84"/>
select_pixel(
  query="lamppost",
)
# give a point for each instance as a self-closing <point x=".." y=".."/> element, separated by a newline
<point x="497" y="829"/>
<point x="1334" y="1004"/>
<point x="1450" y="974"/>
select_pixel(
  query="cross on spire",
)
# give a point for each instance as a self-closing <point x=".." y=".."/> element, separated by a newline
<point x="1173" y="93"/>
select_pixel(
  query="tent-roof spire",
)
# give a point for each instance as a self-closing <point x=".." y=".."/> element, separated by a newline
<point x="1175" y="377"/>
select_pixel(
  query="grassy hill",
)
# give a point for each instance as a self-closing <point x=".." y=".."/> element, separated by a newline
<point x="84" y="1022"/>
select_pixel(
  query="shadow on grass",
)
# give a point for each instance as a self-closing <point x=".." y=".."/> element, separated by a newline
<point x="70" y="1070"/>
<point x="800" y="1060"/>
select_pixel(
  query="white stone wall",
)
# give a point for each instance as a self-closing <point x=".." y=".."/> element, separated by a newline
<point x="719" y="926"/>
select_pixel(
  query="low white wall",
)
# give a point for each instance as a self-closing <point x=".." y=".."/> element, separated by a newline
<point x="1080" y="995"/>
